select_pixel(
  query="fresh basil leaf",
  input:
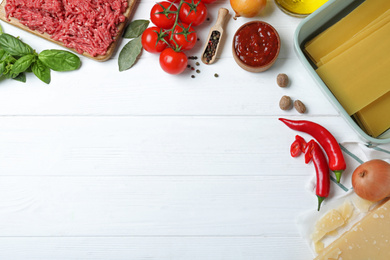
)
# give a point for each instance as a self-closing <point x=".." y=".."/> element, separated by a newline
<point x="41" y="71"/>
<point x="129" y="54"/>
<point x="28" y="69"/>
<point x="60" y="60"/>
<point x="23" y="63"/>
<point x="21" y="77"/>
<point x="2" y="67"/>
<point x="2" y="54"/>
<point x="8" y="64"/>
<point x="135" y="28"/>
<point x="8" y="58"/>
<point x="8" y="73"/>
<point x="14" y="46"/>
<point x="7" y="69"/>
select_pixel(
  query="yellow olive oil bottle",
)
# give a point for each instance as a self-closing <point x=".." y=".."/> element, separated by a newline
<point x="299" y="8"/>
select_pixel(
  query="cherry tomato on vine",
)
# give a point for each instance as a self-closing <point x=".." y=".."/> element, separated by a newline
<point x="183" y="36"/>
<point x="193" y="12"/>
<point x="163" y="14"/>
<point x="208" y="1"/>
<point x="173" y="62"/>
<point x="152" y="39"/>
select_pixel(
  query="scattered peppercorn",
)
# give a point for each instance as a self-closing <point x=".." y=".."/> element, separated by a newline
<point x="216" y="75"/>
<point x="193" y="76"/>
<point x="197" y="63"/>
<point x="197" y="71"/>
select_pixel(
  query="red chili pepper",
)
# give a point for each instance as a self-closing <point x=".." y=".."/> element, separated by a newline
<point x="314" y="152"/>
<point x="326" y="140"/>
<point x="298" y="146"/>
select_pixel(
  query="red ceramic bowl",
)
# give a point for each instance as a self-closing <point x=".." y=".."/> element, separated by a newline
<point x="256" y="46"/>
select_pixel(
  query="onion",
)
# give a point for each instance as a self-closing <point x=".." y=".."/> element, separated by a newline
<point x="371" y="180"/>
<point x="247" y="8"/>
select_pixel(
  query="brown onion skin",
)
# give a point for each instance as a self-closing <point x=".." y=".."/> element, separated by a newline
<point x="247" y="8"/>
<point x="371" y="180"/>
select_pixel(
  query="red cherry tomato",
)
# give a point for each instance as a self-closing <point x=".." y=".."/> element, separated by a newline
<point x="183" y="36"/>
<point x="193" y="12"/>
<point x="173" y="62"/>
<point x="163" y="14"/>
<point x="152" y="39"/>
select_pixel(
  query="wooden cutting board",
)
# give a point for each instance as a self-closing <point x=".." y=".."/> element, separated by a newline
<point x="46" y="36"/>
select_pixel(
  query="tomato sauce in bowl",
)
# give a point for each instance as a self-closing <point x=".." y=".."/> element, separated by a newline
<point x="256" y="46"/>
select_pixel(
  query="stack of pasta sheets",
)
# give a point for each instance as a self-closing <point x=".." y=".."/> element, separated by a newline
<point x="353" y="59"/>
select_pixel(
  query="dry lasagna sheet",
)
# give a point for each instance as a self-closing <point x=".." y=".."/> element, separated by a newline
<point x="84" y="25"/>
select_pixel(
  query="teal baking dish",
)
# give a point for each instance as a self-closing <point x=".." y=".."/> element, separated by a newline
<point x="325" y="16"/>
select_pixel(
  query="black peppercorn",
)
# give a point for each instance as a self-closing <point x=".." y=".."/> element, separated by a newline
<point x="211" y="46"/>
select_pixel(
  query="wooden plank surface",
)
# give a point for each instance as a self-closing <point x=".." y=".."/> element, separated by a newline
<point x="131" y="146"/>
<point x="102" y="164"/>
<point x="111" y="49"/>
<point x="152" y="206"/>
<point x="161" y="248"/>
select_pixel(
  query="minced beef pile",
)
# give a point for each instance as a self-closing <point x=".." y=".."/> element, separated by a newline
<point x="84" y="25"/>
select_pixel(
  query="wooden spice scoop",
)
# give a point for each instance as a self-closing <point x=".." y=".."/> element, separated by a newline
<point x="211" y="47"/>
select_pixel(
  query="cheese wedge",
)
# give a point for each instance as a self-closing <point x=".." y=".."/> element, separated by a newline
<point x="331" y="221"/>
<point x="367" y="239"/>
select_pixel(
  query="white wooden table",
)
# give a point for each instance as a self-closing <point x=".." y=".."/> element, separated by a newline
<point x="102" y="164"/>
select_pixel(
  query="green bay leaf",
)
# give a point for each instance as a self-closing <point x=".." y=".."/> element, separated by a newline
<point x="129" y="54"/>
<point x="135" y="29"/>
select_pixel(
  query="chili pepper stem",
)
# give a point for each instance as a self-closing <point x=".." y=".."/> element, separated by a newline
<point x="338" y="175"/>
<point x="320" y="200"/>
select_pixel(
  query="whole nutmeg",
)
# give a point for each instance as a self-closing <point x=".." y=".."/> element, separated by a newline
<point x="285" y="103"/>
<point x="299" y="106"/>
<point x="282" y="80"/>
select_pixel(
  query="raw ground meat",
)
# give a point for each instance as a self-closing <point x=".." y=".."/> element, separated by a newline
<point x="84" y="25"/>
